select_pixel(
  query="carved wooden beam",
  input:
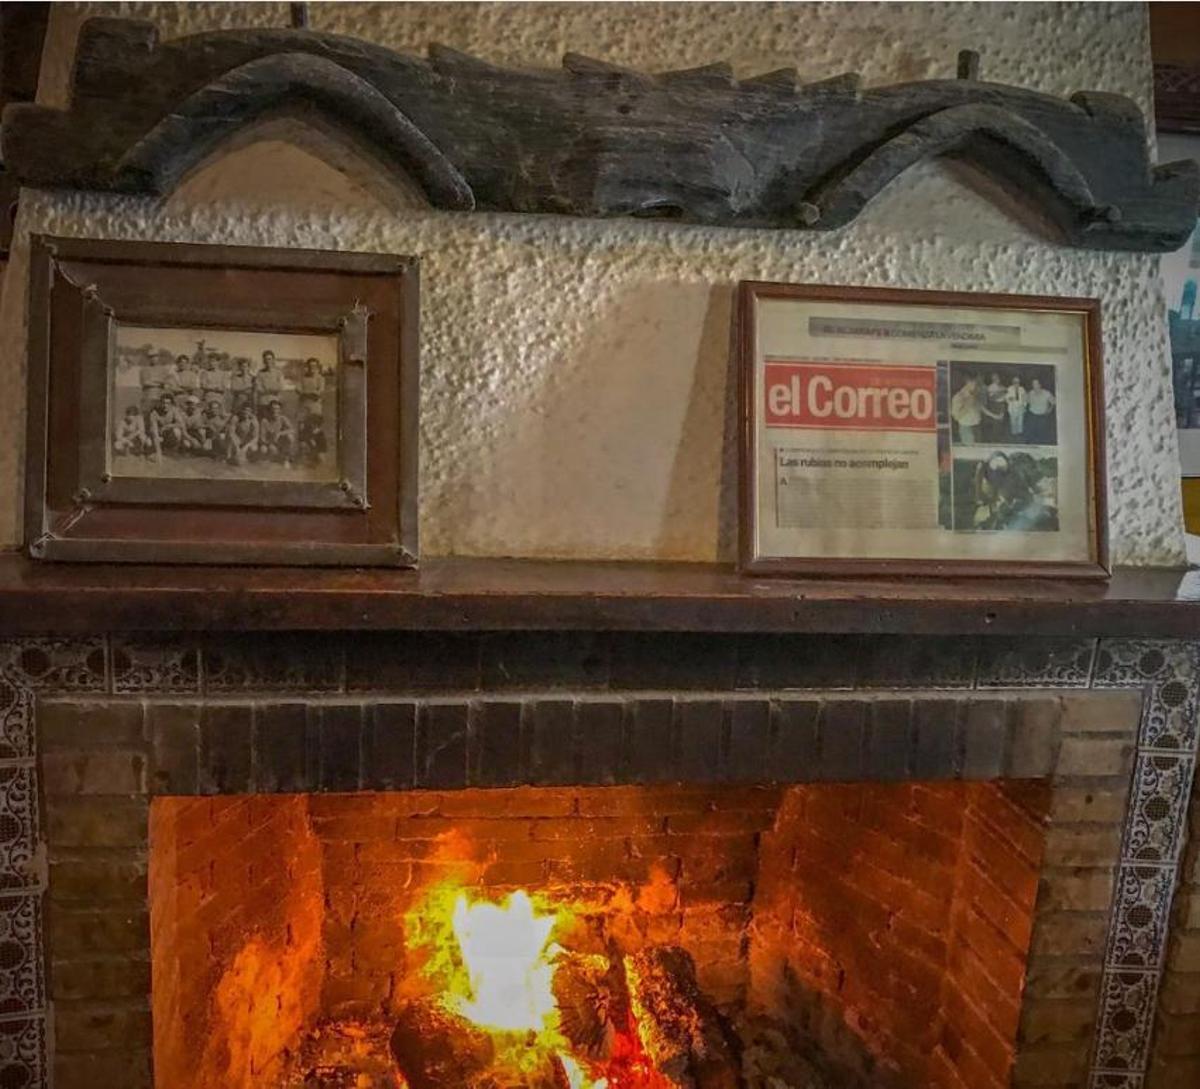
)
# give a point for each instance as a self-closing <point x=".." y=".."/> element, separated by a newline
<point x="594" y="139"/>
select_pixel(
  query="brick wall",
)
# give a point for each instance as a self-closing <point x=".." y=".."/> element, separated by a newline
<point x="879" y="907"/>
<point x="987" y="943"/>
<point x="236" y="907"/>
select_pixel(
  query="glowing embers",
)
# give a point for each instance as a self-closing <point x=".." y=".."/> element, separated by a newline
<point x="516" y="1002"/>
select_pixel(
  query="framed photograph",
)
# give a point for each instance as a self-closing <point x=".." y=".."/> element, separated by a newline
<point x="920" y="433"/>
<point x="216" y="404"/>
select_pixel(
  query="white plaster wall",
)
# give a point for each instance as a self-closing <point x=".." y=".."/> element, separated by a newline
<point x="576" y="399"/>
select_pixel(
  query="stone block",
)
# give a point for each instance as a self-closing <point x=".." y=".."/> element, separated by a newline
<point x="494" y="754"/>
<point x="1036" y="738"/>
<point x="649" y="741"/>
<point x="936" y="746"/>
<point x="842" y="726"/>
<point x="80" y="979"/>
<point x="1112" y="712"/>
<point x="1085" y="757"/>
<point x="985" y="738"/>
<point x="441" y="745"/>
<point x="794" y="756"/>
<point x="91" y="1026"/>
<point x="1069" y="933"/>
<point x="1076" y="888"/>
<point x="1101" y="801"/>
<point x="281" y="763"/>
<point x="225" y="746"/>
<point x="101" y="821"/>
<point x="174" y="731"/>
<point x="340" y="745"/>
<point x="129" y="1068"/>
<point x="550" y="725"/>
<point x="600" y="738"/>
<point x="701" y="738"/>
<point x="389" y="746"/>
<point x="1180" y="994"/>
<point x="80" y="724"/>
<point x="1083" y="845"/>
<point x="749" y="736"/>
<point x="93" y="771"/>
<point x="85" y="930"/>
<point x="889" y="740"/>
<point x="1057" y="1020"/>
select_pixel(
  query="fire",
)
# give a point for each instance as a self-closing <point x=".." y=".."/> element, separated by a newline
<point x="493" y="962"/>
<point x="508" y="956"/>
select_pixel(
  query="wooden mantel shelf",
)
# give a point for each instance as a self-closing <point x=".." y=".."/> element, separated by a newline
<point x="467" y="594"/>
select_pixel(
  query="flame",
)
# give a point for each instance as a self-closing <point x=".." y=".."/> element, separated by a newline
<point x="507" y="953"/>
<point x="493" y="962"/>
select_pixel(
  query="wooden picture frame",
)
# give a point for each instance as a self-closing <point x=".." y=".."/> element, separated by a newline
<point x="305" y="461"/>
<point x="899" y="355"/>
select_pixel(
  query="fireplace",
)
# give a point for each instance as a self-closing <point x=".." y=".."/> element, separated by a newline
<point x="823" y="934"/>
<point x="869" y="887"/>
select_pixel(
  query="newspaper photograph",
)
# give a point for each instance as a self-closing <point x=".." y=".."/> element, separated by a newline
<point x="895" y="431"/>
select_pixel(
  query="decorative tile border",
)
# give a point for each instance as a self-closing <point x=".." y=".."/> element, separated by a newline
<point x="1167" y="671"/>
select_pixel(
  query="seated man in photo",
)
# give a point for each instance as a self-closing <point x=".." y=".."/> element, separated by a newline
<point x="192" y="419"/>
<point x="165" y="425"/>
<point x="214" y="422"/>
<point x="131" y="437"/>
<point x="311" y="438"/>
<point x="241" y="437"/>
<point x="277" y="436"/>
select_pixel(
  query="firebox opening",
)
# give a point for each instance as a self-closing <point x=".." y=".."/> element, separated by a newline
<point x="594" y="938"/>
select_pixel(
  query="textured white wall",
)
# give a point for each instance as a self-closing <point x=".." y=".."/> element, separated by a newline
<point x="576" y="399"/>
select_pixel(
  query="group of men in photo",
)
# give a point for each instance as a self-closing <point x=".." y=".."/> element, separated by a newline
<point x="1004" y="411"/>
<point x="202" y="405"/>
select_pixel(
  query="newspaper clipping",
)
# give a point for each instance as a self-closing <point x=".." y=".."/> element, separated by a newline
<point x="923" y="432"/>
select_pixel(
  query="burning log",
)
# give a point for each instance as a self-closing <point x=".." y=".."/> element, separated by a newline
<point x="681" y="1032"/>
<point x="592" y="1000"/>
<point x="434" y="1047"/>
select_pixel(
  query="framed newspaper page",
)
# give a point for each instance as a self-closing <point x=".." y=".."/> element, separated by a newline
<point x="920" y="433"/>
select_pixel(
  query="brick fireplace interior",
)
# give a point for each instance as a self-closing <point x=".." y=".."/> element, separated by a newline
<point x="841" y="933"/>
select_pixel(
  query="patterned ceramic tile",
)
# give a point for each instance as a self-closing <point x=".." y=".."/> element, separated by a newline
<point x="1116" y="1079"/>
<point x="20" y="939"/>
<point x="18" y="827"/>
<point x="1169" y="718"/>
<point x="1131" y="663"/>
<point x="1126" y="1012"/>
<point x="23" y="1052"/>
<point x="16" y="719"/>
<point x="162" y="666"/>
<point x="283" y="663"/>
<point x="1157" y="808"/>
<point x="1141" y="915"/>
<point x="1035" y="663"/>
<point x="61" y="665"/>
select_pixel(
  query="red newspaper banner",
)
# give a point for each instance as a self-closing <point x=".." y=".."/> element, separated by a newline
<point x="857" y="397"/>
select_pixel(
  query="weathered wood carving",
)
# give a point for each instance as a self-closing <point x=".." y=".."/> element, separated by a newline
<point x="593" y="139"/>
